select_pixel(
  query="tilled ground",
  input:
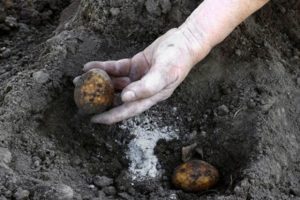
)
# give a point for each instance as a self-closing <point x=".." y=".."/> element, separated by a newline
<point x="240" y="107"/>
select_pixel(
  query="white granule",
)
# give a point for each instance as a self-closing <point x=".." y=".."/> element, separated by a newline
<point x="143" y="162"/>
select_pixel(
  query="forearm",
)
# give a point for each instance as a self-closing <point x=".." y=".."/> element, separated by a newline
<point x="214" y="20"/>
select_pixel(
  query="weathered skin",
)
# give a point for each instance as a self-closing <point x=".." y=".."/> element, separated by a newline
<point x="195" y="176"/>
<point x="93" y="92"/>
<point x="153" y="74"/>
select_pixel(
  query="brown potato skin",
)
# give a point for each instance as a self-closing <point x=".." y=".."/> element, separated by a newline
<point x="195" y="176"/>
<point x="94" y="92"/>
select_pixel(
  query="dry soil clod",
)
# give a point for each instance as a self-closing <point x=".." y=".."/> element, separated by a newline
<point x="195" y="176"/>
<point x="93" y="92"/>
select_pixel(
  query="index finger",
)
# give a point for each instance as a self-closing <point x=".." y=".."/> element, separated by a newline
<point x="112" y="67"/>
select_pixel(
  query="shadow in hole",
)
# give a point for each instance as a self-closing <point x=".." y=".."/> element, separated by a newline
<point x="102" y="148"/>
<point x="230" y="145"/>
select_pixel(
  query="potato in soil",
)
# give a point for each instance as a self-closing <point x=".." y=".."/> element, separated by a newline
<point x="94" y="92"/>
<point x="195" y="176"/>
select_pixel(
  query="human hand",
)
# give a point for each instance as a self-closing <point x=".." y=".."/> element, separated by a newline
<point x="150" y="76"/>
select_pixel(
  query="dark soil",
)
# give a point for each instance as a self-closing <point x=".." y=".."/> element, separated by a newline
<point x="240" y="105"/>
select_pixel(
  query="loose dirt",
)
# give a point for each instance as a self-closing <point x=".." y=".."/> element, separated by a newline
<point x="240" y="105"/>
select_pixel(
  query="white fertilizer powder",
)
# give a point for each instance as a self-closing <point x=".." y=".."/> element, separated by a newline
<point x="144" y="164"/>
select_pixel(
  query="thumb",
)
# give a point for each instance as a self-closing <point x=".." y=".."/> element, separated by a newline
<point x="152" y="83"/>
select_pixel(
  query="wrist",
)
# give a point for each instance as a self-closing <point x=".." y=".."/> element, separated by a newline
<point x="197" y="40"/>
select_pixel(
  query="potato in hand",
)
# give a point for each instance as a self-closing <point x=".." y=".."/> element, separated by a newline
<point x="94" y="92"/>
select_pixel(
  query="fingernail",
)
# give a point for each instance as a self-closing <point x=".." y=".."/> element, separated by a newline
<point x="84" y="67"/>
<point x="75" y="80"/>
<point x="128" y="96"/>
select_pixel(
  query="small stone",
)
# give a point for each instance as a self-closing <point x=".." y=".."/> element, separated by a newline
<point x="53" y="192"/>
<point x="5" y="156"/>
<point x="41" y="77"/>
<point x="6" y="53"/>
<point x="222" y="110"/>
<point x="165" y="5"/>
<point x="238" y="52"/>
<point x="21" y="194"/>
<point x="175" y="15"/>
<point x="114" y="11"/>
<point x="11" y="22"/>
<point x="126" y="196"/>
<point x="203" y="133"/>
<point x="131" y="191"/>
<point x="187" y="152"/>
<point x="76" y="161"/>
<point x="36" y="163"/>
<point x="110" y="190"/>
<point x="251" y="104"/>
<point x="238" y="190"/>
<point x="152" y="7"/>
<point x="24" y="28"/>
<point x="102" y="181"/>
<point x="173" y="196"/>
<point x="282" y="9"/>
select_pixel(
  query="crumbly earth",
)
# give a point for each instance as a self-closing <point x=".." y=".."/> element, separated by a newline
<point x="240" y="106"/>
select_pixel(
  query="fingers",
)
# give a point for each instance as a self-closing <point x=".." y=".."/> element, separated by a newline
<point x="157" y="79"/>
<point x="120" y="83"/>
<point x="140" y="66"/>
<point x="114" y="68"/>
<point x="129" y="109"/>
<point x="134" y="68"/>
<point x="75" y="80"/>
<point x="122" y="112"/>
<point x="149" y="85"/>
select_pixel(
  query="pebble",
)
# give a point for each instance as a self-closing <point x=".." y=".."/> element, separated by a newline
<point x="76" y="161"/>
<point x="238" y="52"/>
<point x="11" y="22"/>
<point x="21" y="194"/>
<point x="126" y="196"/>
<point x="203" y="133"/>
<point x="5" y="155"/>
<point x="110" y="190"/>
<point x="102" y="181"/>
<point x="222" y="110"/>
<point x="24" y="28"/>
<point x="114" y="11"/>
<point x="152" y="7"/>
<point x="6" y="53"/>
<point x="40" y="77"/>
<point x="53" y="192"/>
<point x="165" y="5"/>
<point x="187" y="152"/>
<point x="251" y="104"/>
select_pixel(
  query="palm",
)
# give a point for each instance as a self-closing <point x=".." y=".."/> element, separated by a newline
<point x="147" y="78"/>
